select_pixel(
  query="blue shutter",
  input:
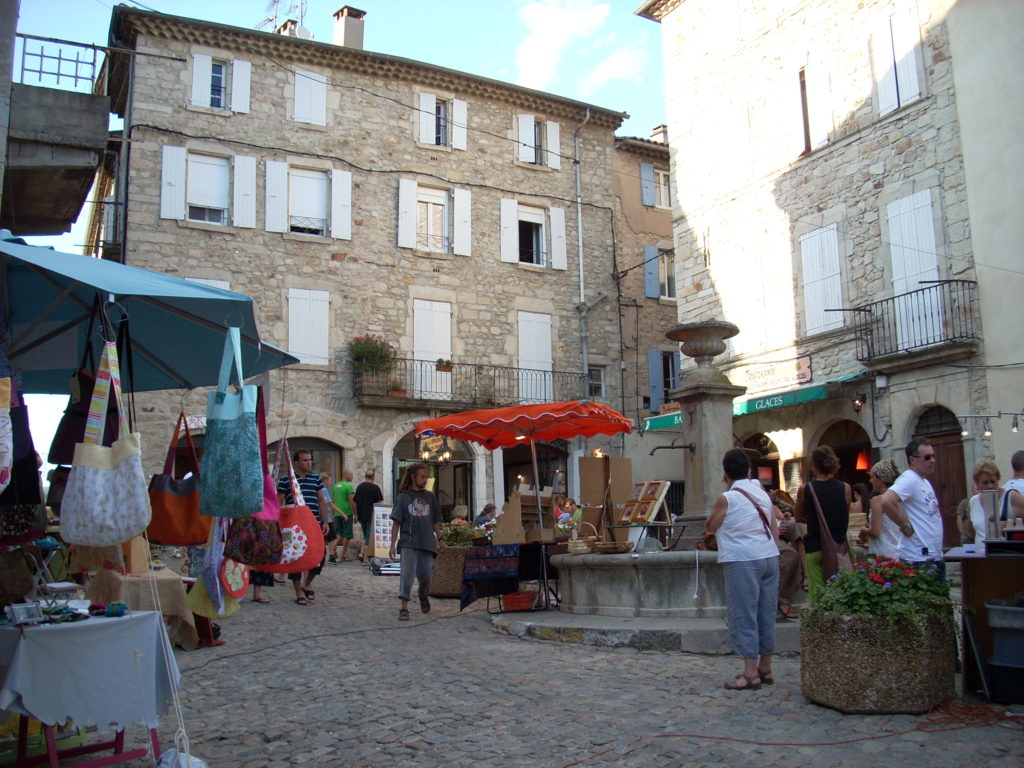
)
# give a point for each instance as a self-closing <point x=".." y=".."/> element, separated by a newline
<point x="654" y="381"/>
<point x="646" y="184"/>
<point x="677" y="360"/>
<point x="652" y="285"/>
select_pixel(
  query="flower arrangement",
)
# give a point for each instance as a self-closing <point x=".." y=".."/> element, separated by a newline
<point x="372" y="353"/>
<point x="564" y="524"/>
<point x="889" y="589"/>
<point x="456" y="535"/>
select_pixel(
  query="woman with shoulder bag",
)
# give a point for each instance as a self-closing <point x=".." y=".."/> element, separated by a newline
<point x="834" y="498"/>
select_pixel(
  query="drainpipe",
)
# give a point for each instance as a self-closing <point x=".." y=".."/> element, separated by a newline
<point x="583" y="309"/>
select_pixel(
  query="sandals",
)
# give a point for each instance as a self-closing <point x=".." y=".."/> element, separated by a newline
<point x="425" y="604"/>
<point x="310" y="594"/>
<point x="748" y="683"/>
<point x="403" y="614"/>
<point x="261" y="600"/>
<point x="786" y="609"/>
<point x="301" y="601"/>
<point x="766" y="677"/>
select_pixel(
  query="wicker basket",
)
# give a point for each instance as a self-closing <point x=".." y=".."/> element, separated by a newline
<point x="582" y="546"/>
<point x="613" y="547"/>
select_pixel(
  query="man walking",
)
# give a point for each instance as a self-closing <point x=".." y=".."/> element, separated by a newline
<point x="342" y="492"/>
<point x="1013" y="491"/>
<point x="312" y="487"/>
<point x="919" y="518"/>
<point x="416" y="533"/>
<point x="367" y="494"/>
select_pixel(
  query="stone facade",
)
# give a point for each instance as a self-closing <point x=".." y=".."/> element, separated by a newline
<point x="783" y="131"/>
<point x="372" y="133"/>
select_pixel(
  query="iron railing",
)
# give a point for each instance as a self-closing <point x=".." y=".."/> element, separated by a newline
<point x="59" y="64"/>
<point x="468" y="384"/>
<point x="943" y="313"/>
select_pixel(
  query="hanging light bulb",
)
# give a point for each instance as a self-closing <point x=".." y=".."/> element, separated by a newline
<point x="988" y="430"/>
<point x="964" y="431"/>
<point x="1015" y="427"/>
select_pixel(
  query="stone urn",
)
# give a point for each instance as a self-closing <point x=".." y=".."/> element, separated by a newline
<point x="869" y="665"/>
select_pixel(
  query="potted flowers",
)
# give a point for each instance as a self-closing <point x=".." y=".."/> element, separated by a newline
<point x="443" y="365"/>
<point x="371" y="354"/>
<point x="880" y="639"/>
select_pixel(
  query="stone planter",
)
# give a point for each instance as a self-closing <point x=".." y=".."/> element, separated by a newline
<point x="862" y="664"/>
<point x="446" y="580"/>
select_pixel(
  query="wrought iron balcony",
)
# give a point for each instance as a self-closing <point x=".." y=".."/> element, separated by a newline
<point x="938" y="322"/>
<point x="420" y="383"/>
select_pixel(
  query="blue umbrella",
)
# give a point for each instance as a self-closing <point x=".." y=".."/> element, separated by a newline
<point x="176" y="326"/>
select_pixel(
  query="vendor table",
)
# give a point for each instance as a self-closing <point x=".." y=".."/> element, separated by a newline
<point x="107" y="672"/>
<point x="982" y="578"/>
<point x="136" y="589"/>
<point x="497" y="569"/>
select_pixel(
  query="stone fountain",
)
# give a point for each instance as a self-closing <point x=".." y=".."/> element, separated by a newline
<point x="679" y="583"/>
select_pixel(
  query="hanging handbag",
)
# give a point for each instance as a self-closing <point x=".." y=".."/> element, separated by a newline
<point x="23" y="486"/>
<point x="176" y="519"/>
<point x="834" y="557"/>
<point x="271" y="508"/>
<point x="105" y="502"/>
<point x="231" y="482"/>
<point x="254" y="542"/>
<point x="303" y="539"/>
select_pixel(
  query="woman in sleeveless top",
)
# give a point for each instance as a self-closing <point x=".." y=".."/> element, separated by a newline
<point x="834" y="496"/>
<point x="881" y="535"/>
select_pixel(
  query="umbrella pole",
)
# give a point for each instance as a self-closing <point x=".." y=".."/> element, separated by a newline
<point x="544" y="589"/>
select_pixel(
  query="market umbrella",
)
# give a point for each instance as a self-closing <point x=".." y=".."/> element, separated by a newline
<point x="506" y="427"/>
<point x="176" y="326"/>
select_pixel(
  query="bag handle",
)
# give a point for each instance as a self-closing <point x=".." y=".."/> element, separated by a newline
<point x="298" y="500"/>
<point x="764" y="518"/>
<point x="261" y="425"/>
<point x="171" y="449"/>
<point x="824" y="533"/>
<point x="108" y="378"/>
<point x="232" y="351"/>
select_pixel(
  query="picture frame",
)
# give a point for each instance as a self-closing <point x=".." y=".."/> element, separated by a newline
<point x="27" y="613"/>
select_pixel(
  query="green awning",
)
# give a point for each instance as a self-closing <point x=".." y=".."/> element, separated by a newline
<point x="779" y="399"/>
<point x="663" y="421"/>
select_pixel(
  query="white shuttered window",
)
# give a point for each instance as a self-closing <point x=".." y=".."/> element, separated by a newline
<point x="819" y="255"/>
<point x="308" y="325"/>
<point x="535" y="381"/>
<point x="914" y="260"/>
<point x="310" y="97"/>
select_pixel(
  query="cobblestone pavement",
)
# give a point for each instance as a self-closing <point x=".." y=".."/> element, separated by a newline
<point x="342" y="683"/>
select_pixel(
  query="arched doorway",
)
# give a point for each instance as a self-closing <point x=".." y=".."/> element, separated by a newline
<point x="451" y="480"/>
<point x="853" y="447"/>
<point x="764" y="460"/>
<point x="941" y="426"/>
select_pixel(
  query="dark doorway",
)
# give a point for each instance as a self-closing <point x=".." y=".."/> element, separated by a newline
<point x="941" y="426"/>
<point x="853" y="447"/>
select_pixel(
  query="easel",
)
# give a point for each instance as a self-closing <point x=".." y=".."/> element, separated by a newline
<point x="645" y="508"/>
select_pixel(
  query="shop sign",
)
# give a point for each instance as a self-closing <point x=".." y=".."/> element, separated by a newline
<point x="774" y="376"/>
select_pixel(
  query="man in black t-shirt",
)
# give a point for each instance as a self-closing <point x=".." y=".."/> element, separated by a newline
<point x="367" y="494"/>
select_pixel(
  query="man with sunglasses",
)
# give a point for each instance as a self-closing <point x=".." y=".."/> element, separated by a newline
<point x="918" y="515"/>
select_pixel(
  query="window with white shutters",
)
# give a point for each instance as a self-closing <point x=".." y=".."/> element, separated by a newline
<point x="919" y="315"/>
<point x="307" y="201"/>
<point x="208" y="189"/>
<point x="432" y="219"/>
<point x="310" y="97"/>
<point x="662" y="189"/>
<point x="538" y="141"/>
<point x="432" y="341"/>
<point x="309" y="325"/>
<point x="894" y="47"/>
<point x="535" y="363"/>
<point x="442" y="122"/>
<point x="531" y="235"/>
<point x="819" y="256"/>
<point x="220" y="83"/>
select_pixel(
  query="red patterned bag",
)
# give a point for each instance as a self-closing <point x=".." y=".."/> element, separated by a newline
<point x="301" y="534"/>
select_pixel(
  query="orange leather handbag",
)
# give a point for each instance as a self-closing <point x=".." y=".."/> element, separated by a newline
<point x="176" y="519"/>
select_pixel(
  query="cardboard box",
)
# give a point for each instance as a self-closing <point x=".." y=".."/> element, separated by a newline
<point x="541" y="534"/>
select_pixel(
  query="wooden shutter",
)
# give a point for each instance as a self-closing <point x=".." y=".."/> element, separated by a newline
<point x="241" y="74"/>
<point x="535" y="384"/>
<point x="460" y="124"/>
<point x="819" y="102"/>
<point x="655" y="381"/>
<point x="819" y="255"/>
<point x="202" y="74"/>
<point x="527" y="148"/>
<point x="172" y="183"/>
<point x="554" y="155"/>
<point x="341" y="205"/>
<point x="310" y="97"/>
<point x="914" y="259"/>
<point x="428" y="118"/>
<point x="509" y="230"/>
<point x="906" y="35"/>
<point x="308" y="325"/>
<point x="652" y="275"/>
<point x="432" y="339"/>
<point x="243" y="211"/>
<point x="556" y="218"/>
<point x="276" y="206"/>
<point x="463" y="220"/>
<point x="646" y="184"/>
<point x="406" y="213"/>
<point x="883" y="60"/>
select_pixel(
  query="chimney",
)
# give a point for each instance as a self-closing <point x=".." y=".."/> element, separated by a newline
<point x="289" y="28"/>
<point x="348" y="27"/>
<point x="660" y="133"/>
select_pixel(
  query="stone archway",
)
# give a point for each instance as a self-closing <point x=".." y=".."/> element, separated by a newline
<point x="852" y="445"/>
<point x="941" y="426"/>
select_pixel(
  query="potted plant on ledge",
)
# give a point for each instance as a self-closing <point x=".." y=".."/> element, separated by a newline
<point x="372" y="354"/>
<point x="396" y="388"/>
<point x="880" y="639"/>
<point x="444" y="365"/>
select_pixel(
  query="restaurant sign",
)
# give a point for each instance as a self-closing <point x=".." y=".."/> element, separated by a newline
<point x="770" y="377"/>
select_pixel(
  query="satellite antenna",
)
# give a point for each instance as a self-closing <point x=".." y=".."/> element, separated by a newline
<point x="295" y="9"/>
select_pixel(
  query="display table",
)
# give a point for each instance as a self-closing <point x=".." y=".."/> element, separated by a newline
<point x="137" y="590"/>
<point x="982" y="578"/>
<point x="107" y="672"/>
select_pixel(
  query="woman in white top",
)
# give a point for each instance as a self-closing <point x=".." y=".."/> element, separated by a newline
<point x="986" y="478"/>
<point x="743" y="520"/>
<point x="882" y="535"/>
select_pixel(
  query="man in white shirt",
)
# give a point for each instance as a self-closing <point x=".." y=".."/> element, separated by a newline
<point x="1013" y="496"/>
<point x="918" y="516"/>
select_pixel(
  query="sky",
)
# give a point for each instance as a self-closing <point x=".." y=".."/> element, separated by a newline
<point x="594" y="51"/>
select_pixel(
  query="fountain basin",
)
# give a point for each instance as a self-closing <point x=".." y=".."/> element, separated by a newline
<point x="653" y="585"/>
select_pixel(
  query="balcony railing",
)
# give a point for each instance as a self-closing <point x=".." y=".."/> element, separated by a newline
<point x="60" y="64"/>
<point x="940" y="314"/>
<point x="468" y="385"/>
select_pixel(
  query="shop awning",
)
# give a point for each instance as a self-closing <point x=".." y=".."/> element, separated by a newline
<point x="806" y="394"/>
<point x="663" y="421"/>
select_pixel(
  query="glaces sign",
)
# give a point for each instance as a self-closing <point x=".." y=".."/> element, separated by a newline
<point x="775" y="376"/>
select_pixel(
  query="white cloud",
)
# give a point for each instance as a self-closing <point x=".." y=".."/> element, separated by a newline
<point x="629" y="63"/>
<point x="552" y="26"/>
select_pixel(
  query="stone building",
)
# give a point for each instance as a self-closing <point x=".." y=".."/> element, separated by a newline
<point x="350" y="193"/>
<point x="844" y="195"/>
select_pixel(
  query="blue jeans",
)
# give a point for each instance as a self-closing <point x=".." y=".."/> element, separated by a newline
<point x="416" y="564"/>
<point x="752" y="596"/>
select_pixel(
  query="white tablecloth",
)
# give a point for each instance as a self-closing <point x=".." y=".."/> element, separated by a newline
<point x="105" y="672"/>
